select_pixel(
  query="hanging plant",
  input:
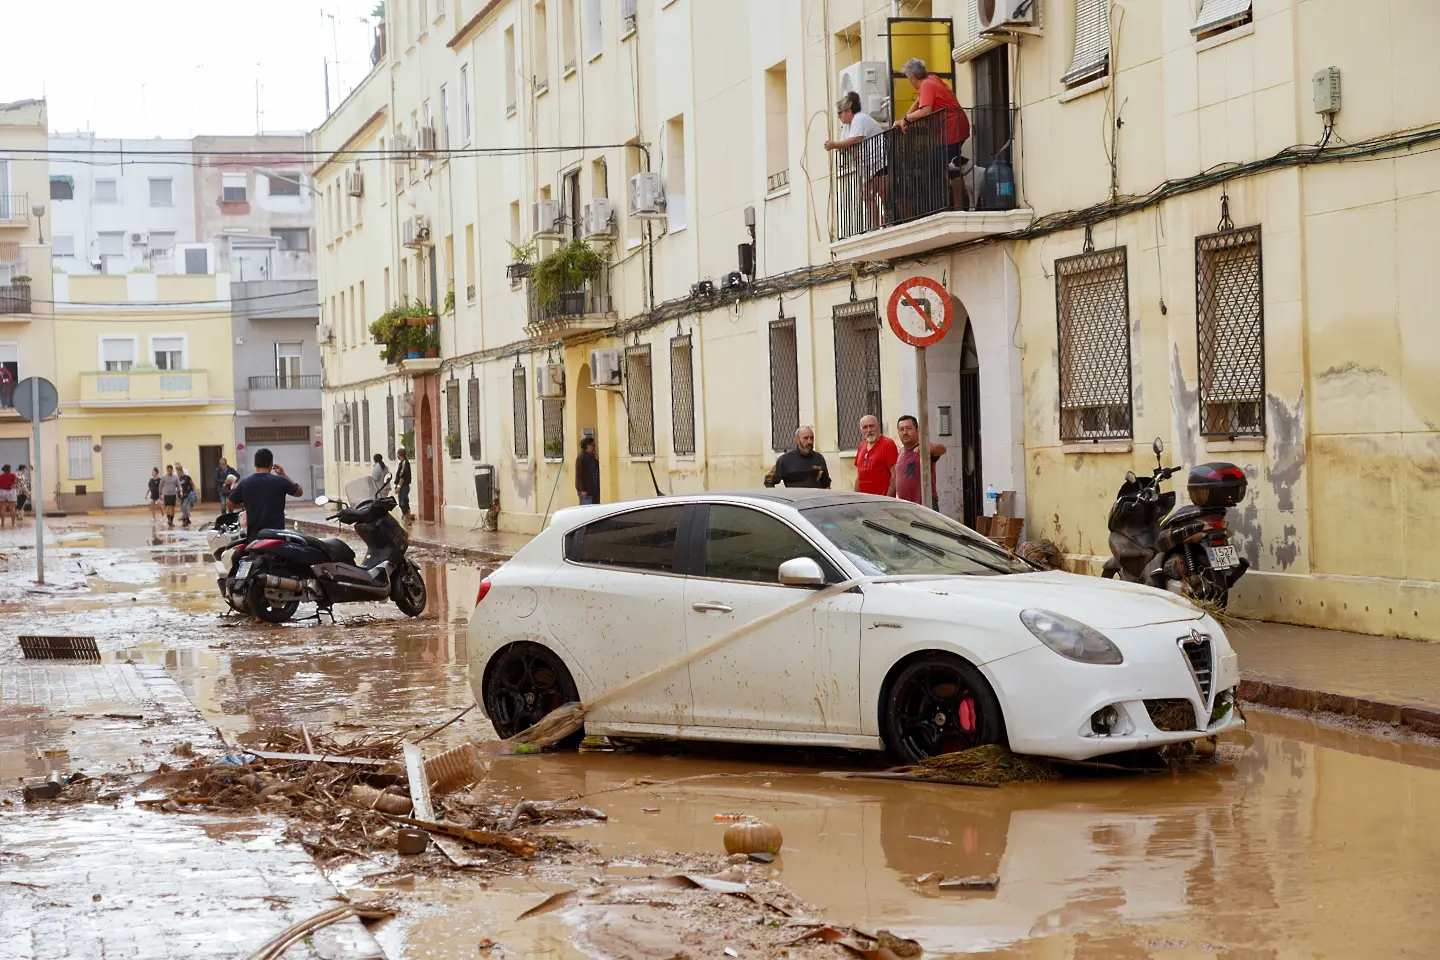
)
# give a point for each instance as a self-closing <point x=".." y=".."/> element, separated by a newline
<point x="522" y="257"/>
<point x="401" y="328"/>
<point x="569" y="270"/>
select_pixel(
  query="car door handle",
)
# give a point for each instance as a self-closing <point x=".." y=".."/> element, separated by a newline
<point x="712" y="607"/>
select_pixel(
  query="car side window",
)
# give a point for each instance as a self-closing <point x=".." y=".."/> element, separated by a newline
<point x="745" y="544"/>
<point x="637" y="540"/>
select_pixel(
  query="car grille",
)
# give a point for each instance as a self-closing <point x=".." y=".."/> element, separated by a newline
<point x="1196" y="648"/>
<point x="1171" y="716"/>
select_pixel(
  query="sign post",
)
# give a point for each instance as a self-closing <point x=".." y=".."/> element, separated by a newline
<point x="36" y="399"/>
<point x="920" y="315"/>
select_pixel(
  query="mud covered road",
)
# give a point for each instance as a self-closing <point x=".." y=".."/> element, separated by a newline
<point x="1317" y="842"/>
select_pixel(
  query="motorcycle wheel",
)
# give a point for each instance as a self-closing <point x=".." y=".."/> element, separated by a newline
<point x="409" y="592"/>
<point x="1210" y="587"/>
<point x="259" y="605"/>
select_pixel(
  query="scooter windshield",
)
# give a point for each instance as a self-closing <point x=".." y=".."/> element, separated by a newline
<point x="360" y="489"/>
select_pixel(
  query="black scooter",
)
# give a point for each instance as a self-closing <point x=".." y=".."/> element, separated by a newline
<point x="280" y="569"/>
<point x="1187" y="551"/>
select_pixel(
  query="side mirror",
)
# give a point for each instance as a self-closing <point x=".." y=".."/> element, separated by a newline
<point x="321" y="500"/>
<point x="1129" y="476"/>
<point x="801" y="572"/>
<point x="1158" y="446"/>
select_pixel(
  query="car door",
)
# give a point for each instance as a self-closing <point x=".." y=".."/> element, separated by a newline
<point x="616" y="602"/>
<point x="800" y="673"/>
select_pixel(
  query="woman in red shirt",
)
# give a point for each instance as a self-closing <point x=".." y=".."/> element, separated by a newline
<point x="933" y="96"/>
<point x="7" y="496"/>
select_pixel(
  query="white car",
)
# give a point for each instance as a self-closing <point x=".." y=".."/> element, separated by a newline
<point x="945" y="642"/>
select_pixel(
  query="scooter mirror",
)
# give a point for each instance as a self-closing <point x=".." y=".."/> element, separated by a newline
<point x="1158" y="446"/>
<point x="321" y="500"/>
<point x="1129" y="476"/>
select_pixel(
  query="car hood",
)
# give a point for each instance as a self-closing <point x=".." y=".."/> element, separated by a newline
<point x="1103" y="604"/>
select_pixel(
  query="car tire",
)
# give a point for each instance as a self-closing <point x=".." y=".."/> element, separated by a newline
<point x="523" y="683"/>
<point x="938" y="703"/>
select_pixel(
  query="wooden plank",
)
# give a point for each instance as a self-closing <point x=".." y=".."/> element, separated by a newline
<point x="419" y="783"/>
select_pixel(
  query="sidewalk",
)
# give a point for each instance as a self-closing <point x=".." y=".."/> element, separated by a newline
<point x="464" y="541"/>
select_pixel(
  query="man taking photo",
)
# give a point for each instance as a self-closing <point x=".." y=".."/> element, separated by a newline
<point x="263" y="494"/>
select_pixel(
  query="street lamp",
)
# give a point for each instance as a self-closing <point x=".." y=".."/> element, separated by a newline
<point x="39" y="211"/>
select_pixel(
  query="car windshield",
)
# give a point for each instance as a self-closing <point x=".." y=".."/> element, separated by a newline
<point x="897" y="538"/>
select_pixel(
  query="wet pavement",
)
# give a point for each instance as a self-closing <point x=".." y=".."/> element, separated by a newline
<point x="1316" y="842"/>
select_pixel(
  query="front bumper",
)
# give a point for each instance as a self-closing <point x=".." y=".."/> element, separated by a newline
<point x="1048" y="701"/>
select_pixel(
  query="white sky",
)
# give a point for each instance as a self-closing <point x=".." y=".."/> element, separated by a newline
<point x="178" y="68"/>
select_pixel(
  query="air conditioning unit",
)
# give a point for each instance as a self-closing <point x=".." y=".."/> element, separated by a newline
<point x="604" y="368"/>
<point x="545" y="218"/>
<point x="342" y="413"/>
<point x="429" y="143"/>
<point x="1006" y="14"/>
<point x="137" y="238"/>
<point x="871" y="80"/>
<point x="550" y="381"/>
<point x="355" y="182"/>
<point x="414" y="231"/>
<point x="599" y="218"/>
<point x="323" y="334"/>
<point x="647" y="196"/>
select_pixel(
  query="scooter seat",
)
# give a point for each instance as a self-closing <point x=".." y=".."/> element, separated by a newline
<point x="338" y="550"/>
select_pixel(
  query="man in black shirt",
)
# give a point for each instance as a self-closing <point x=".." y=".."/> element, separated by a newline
<point x="801" y="467"/>
<point x="263" y="494"/>
<point x="587" y="473"/>
<point x="402" y="479"/>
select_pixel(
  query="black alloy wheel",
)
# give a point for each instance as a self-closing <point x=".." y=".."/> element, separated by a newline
<point x="268" y="610"/>
<point x="938" y="703"/>
<point x="408" y="590"/>
<point x="525" y="682"/>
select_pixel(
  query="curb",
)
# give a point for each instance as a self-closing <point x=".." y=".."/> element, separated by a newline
<point x="1268" y="693"/>
<point x="469" y="553"/>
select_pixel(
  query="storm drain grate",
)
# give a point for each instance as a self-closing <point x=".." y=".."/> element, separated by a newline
<point x="60" y="648"/>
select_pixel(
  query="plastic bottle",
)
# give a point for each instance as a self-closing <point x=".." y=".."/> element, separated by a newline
<point x="454" y="769"/>
<point x="991" y="496"/>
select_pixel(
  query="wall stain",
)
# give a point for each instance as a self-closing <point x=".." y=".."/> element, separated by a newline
<point x="1350" y="366"/>
<point x="1286" y="549"/>
<point x="1137" y="388"/>
<point x="1246" y="523"/>
<point x="1185" y="406"/>
<point x="1286" y="427"/>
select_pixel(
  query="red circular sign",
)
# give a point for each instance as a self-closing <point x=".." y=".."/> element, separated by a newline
<point x="920" y="312"/>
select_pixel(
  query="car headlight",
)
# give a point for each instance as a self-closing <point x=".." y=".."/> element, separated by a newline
<point x="1071" y="639"/>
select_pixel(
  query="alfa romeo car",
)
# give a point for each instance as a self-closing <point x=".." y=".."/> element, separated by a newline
<point x="941" y="641"/>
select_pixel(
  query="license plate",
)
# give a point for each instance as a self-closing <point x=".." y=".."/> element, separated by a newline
<point x="242" y="571"/>
<point x="1223" y="557"/>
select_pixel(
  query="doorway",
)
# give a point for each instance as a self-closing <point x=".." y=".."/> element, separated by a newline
<point x="427" y="458"/>
<point x="972" y="496"/>
<point x="209" y="463"/>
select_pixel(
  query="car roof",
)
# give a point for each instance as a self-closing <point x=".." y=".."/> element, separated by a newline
<point x="798" y="498"/>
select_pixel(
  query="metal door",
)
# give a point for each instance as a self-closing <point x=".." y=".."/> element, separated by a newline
<point x="126" y="463"/>
<point x="972" y="491"/>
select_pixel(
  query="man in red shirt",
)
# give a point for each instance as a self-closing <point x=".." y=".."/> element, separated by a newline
<point x="932" y="96"/>
<point x="875" y="460"/>
<point x="907" y="468"/>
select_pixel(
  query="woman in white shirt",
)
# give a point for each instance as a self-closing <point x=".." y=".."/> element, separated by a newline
<point x="869" y="162"/>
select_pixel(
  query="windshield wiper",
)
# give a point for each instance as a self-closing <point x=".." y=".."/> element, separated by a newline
<point x="929" y="548"/>
<point x="959" y="538"/>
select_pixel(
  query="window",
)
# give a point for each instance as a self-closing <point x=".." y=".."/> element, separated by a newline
<point x="285" y="184"/>
<point x="640" y="401"/>
<point x="552" y="423"/>
<point x="1230" y="310"/>
<point x="472" y="416"/>
<point x="161" y="241"/>
<point x="444" y="118"/>
<point x="348" y="429"/>
<point x="161" y="192"/>
<point x="682" y="396"/>
<point x="465" y="102"/>
<point x="355" y="426"/>
<point x="594" y="33"/>
<point x="299" y="434"/>
<point x="637" y="540"/>
<point x="197" y="260"/>
<point x="62" y="188"/>
<point x="365" y="425"/>
<point x="777" y="128"/>
<point x="470" y="263"/>
<point x="857" y="373"/>
<point x="287" y="364"/>
<point x="117" y="353"/>
<point x="521" y="412"/>
<point x="169" y="352"/>
<point x="509" y="71"/>
<point x="80" y="464"/>
<point x="745" y="544"/>
<point x="1092" y="42"/>
<point x="1217" y="15"/>
<point x="567" y="37"/>
<point x="292" y="238"/>
<point x="542" y="48"/>
<point x="10" y="360"/>
<point x="112" y="243"/>
<point x="106" y="192"/>
<point x="390" y="426"/>
<point x="1092" y="302"/>
<point x="452" y="419"/>
<point x="785" y="384"/>
<point x="675" y="172"/>
<point x="891" y="537"/>
<point x="233" y="187"/>
<point x="63" y="245"/>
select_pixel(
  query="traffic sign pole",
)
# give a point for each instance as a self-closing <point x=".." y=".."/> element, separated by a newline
<point x="922" y="416"/>
<point x="37" y="489"/>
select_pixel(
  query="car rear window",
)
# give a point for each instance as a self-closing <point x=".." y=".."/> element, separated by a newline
<point x="636" y="539"/>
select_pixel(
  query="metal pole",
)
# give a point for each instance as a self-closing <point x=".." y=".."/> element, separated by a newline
<point x="37" y="489"/>
<point x="922" y="379"/>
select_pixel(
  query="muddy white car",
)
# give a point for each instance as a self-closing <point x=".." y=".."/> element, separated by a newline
<point x="944" y="642"/>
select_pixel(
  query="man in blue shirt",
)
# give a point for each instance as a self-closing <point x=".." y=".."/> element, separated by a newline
<point x="263" y="494"/>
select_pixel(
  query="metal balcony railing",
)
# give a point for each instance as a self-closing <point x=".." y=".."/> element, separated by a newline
<point x="897" y="176"/>
<point x="299" y="381"/>
<point x="15" y="208"/>
<point x="14" y="298"/>
<point x="588" y="298"/>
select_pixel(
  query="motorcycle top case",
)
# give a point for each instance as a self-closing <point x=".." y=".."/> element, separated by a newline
<point x="1216" y="484"/>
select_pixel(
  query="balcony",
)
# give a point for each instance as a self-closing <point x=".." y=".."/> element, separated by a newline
<point x="575" y="308"/>
<point x="894" y="194"/>
<point x="145" y="388"/>
<point x="15" y="300"/>
<point x="14" y="210"/>
<point x="297" y="392"/>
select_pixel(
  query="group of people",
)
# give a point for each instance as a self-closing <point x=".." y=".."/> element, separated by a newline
<point x="175" y="487"/>
<point x="14" y="494"/>
<point x="881" y="467"/>
<point x="401" y="480"/>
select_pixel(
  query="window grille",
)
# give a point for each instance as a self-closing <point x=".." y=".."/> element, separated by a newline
<point x="1092" y="305"/>
<point x="521" y="401"/>
<point x="1230" y="330"/>
<point x="452" y="419"/>
<point x="78" y="452"/>
<point x="390" y="426"/>
<point x="346" y="435"/>
<point x="857" y="370"/>
<point x="355" y="427"/>
<point x="552" y="422"/>
<point x="785" y="384"/>
<point x="472" y="416"/>
<point x="338" y="448"/>
<point x="682" y="396"/>
<point x="254" y="435"/>
<point x="639" y="401"/>
<point x="365" y="425"/>
<point x="1092" y="42"/>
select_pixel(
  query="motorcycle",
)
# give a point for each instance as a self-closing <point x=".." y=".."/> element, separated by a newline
<point x="281" y="569"/>
<point x="225" y="544"/>
<point x="1186" y="550"/>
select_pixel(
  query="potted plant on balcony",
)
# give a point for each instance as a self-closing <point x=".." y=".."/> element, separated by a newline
<point x="562" y="279"/>
<point x="425" y="340"/>
<point x="522" y="257"/>
<point x="449" y="301"/>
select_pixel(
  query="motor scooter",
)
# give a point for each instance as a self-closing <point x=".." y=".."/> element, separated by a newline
<point x="225" y="534"/>
<point x="1187" y="550"/>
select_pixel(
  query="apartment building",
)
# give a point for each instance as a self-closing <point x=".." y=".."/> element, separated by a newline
<point x="504" y="165"/>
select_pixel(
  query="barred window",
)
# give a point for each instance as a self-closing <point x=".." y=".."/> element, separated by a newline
<point x="682" y="396"/>
<point x="784" y="384"/>
<point x="452" y="419"/>
<point x="472" y="416"/>
<point x="640" y="400"/>
<point x="365" y="425"/>
<point x="1092" y="305"/>
<point x="1230" y="330"/>
<point x="521" y="401"/>
<point x="338" y="447"/>
<point x="857" y="371"/>
<point x="346" y="435"/>
<point x="301" y="434"/>
<point x="390" y="426"/>
<point x="355" y="428"/>
<point x="552" y="422"/>
<point x="78" y="452"/>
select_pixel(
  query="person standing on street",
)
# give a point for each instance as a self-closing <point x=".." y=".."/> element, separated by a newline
<point x="169" y="493"/>
<point x="801" y="467"/>
<point x="152" y="492"/>
<point x="22" y="490"/>
<point x="907" y="469"/>
<point x="587" y="473"/>
<point x="402" y="483"/>
<point x="223" y="472"/>
<point x="875" y="460"/>
<point x="7" y="495"/>
<point x="378" y="472"/>
<point x="188" y="494"/>
<point x="263" y="493"/>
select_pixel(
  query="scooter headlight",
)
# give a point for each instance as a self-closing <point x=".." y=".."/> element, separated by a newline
<point x="1071" y="639"/>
